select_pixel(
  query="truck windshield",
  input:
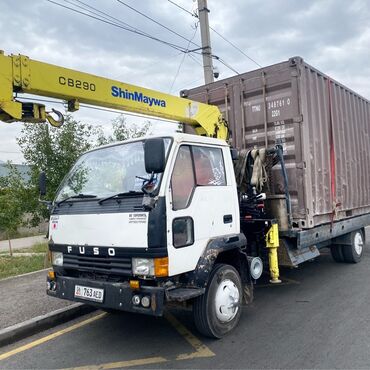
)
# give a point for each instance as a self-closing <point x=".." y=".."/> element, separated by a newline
<point x="108" y="171"/>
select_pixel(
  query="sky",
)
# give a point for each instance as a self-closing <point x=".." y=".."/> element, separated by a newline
<point x="332" y="35"/>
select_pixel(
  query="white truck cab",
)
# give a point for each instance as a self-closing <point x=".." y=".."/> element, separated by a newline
<point x="138" y="223"/>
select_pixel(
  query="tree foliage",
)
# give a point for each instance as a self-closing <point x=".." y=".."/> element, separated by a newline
<point x="13" y="201"/>
<point x="55" y="150"/>
<point x="123" y="131"/>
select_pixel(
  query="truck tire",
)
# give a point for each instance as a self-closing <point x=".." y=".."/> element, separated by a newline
<point x="336" y="253"/>
<point x="218" y="310"/>
<point x="352" y="253"/>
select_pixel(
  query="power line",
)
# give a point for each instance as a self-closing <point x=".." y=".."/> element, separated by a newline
<point x="236" y="47"/>
<point x="225" y="64"/>
<point x="183" y="58"/>
<point x="157" y="22"/>
<point x="190" y="41"/>
<point x="98" y="12"/>
<point x="132" y="29"/>
<point x="128" y="28"/>
<point x="174" y="32"/>
<point x="190" y="83"/>
<point x="158" y="61"/>
<point x="217" y="33"/>
<point x="185" y="10"/>
<point x="195" y="59"/>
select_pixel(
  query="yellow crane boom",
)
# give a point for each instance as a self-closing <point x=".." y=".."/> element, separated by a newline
<point x="20" y="74"/>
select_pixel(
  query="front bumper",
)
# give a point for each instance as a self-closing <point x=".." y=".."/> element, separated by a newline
<point x="117" y="296"/>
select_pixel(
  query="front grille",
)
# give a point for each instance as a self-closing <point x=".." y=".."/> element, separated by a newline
<point x="98" y="264"/>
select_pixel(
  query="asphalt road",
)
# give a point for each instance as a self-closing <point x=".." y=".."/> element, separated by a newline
<point x="23" y="297"/>
<point x="319" y="318"/>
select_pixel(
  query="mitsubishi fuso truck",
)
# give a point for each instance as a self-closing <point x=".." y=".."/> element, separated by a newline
<point x="264" y="180"/>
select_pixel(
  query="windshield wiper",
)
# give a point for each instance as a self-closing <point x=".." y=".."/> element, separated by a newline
<point x="78" y="196"/>
<point x="119" y="195"/>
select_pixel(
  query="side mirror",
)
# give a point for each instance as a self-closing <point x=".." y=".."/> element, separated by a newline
<point x="154" y="155"/>
<point x="234" y="154"/>
<point x="42" y="184"/>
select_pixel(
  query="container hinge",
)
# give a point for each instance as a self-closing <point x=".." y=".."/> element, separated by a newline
<point x="298" y="119"/>
<point x="295" y="60"/>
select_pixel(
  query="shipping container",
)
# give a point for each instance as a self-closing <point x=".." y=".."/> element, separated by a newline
<point x="323" y="126"/>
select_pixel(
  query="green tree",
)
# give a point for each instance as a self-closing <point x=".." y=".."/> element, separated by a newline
<point x="122" y="130"/>
<point x="54" y="151"/>
<point x="13" y="202"/>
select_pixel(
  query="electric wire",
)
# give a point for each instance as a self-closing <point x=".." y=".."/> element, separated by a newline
<point x="129" y="28"/>
<point x="132" y="29"/>
<point x="167" y="28"/>
<point x="87" y="7"/>
<point x="217" y="33"/>
<point x="225" y="64"/>
<point x="185" y="10"/>
<point x="158" y="23"/>
<point x="195" y="59"/>
<point x="183" y="58"/>
<point x="117" y="77"/>
<point x="190" y="41"/>
<point x="236" y="47"/>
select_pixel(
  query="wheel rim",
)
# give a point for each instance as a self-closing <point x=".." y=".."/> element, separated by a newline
<point x="227" y="300"/>
<point x="358" y="243"/>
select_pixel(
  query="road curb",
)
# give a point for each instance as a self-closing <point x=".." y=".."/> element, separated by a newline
<point x="27" y="328"/>
<point x="26" y="274"/>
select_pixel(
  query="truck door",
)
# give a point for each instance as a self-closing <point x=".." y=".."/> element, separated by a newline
<point x="201" y="204"/>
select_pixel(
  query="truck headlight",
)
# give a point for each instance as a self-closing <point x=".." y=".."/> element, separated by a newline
<point x="143" y="266"/>
<point x="57" y="258"/>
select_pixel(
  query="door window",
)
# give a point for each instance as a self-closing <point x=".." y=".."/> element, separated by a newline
<point x="209" y="166"/>
<point x="195" y="166"/>
<point x="182" y="180"/>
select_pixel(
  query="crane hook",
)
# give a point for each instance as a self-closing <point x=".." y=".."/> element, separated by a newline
<point x="55" y="122"/>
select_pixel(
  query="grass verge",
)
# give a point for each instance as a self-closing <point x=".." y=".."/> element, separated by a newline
<point x="12" y="266"/>
<point x="22" y="234"/>
<point x="37" y="248"/>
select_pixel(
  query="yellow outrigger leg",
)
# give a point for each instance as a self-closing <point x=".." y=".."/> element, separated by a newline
<point x="272" y="243"/>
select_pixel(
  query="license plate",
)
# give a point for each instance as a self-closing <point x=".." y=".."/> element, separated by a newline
<point x="91" y="294"/>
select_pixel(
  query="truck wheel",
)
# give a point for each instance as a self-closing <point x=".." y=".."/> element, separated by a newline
<point x="352" y="253"/>
<point x="218" y="310"/>
<point x="336" y="253"/>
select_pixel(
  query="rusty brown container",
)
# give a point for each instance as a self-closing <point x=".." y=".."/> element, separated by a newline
<point x="324" y="128"/>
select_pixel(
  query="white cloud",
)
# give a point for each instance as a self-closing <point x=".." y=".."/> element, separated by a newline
<point x="333" y="35"/>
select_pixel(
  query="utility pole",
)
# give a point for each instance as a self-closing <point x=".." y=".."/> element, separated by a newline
<point x="206" y="41"/>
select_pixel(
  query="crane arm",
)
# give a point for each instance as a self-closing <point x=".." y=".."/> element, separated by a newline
<point x="20" y="74"/>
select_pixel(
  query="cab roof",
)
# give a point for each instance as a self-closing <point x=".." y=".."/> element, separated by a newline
<point x="177" y="137"/>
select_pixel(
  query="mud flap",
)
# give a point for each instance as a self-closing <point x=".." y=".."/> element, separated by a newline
<point x="290" y="256"/>
<point x="248" y="294"/>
